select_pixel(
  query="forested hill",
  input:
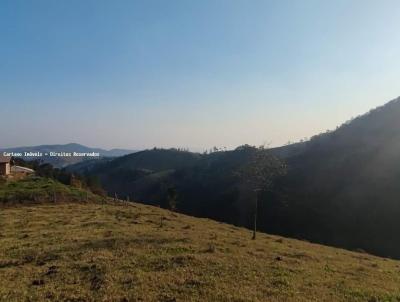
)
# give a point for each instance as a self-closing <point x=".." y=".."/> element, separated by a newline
<point x="341" y="187"/>
<point x="206" y="184"/>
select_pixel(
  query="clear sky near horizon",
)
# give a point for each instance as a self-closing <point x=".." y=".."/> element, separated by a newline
<point x="197" y="74"/>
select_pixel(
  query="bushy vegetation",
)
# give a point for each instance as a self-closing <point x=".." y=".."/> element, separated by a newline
<point x="35" y="189"/>
<point x="89" y="182"/>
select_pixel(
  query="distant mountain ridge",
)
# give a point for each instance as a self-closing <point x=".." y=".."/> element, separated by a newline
<point x="58" y="161"/>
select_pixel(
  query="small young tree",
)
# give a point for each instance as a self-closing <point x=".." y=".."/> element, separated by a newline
<point x="172" y="196"/>
<point x="258" y="174"/>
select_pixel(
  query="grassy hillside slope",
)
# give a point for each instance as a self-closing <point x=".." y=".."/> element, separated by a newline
<point x="120" y="252"/>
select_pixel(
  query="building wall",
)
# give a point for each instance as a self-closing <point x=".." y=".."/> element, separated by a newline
<point x="4" y="168"/>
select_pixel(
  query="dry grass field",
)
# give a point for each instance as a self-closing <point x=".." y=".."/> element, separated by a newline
<point x="118" y="252"/>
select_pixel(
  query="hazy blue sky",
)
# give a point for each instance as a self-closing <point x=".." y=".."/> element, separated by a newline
<point x="196" y="74"/>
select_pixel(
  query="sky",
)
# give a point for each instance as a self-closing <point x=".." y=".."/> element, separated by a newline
<point x="193" y="74"/>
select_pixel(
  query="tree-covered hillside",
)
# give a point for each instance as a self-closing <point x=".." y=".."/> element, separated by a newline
<point x="341" y="187"/>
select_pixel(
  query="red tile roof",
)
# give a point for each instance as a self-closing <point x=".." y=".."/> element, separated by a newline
<point x="4" y="159"/>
